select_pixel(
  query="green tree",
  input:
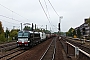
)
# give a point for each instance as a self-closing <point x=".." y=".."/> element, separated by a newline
<point x="2" y="36"/>
<point x="88" y="21"/>
<point x="38" y="30"/>
<point x="15" y="30"/>
<point x="1" y="29"/>
<point x="7" y="33"/>
<point x="78" y="33"/>
<point x="67" y="33"/>
<point x="71" y="32"/>
<point x="74" y="32"/>
<point x="27" y="28"/>
<point x="13" y="34"/>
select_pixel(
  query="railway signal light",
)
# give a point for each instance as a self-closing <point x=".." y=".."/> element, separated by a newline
<point x="59" y="26"/>
<point x="32" y="26"/>
<point x="35" y="26"/>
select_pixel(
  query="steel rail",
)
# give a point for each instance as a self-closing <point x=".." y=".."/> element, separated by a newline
<point x="48" y="49"/>
<point x="11" y="55"/>
<point x="54" y="51"/>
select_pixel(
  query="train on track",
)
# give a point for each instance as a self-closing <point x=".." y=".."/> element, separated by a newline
<point x="28" y="39"/>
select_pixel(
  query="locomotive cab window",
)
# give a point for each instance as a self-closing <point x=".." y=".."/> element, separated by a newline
<point x="25" y="34"/>
<point x="20" y="34"/>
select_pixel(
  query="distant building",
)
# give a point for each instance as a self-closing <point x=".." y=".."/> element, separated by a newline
<point x="84" y="29"/>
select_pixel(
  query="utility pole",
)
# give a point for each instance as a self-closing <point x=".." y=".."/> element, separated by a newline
<point x="21" y="26"/>
<point x="50" y="30"/>
<point x="59" y="27"/>
<point x="35" y="26"/>
<point x="32" y="26"/>
<point x="33" y="33"/>
<point x="46" y="27"/>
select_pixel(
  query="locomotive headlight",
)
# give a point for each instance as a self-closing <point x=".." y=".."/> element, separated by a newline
<point x="19" y="42"/>
<point x="28" y="41"/>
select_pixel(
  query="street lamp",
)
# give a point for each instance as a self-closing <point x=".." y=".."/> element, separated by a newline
<point x="60" y="19"/>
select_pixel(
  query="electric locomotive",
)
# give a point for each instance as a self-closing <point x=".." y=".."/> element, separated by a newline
<point x="27" y="38"/>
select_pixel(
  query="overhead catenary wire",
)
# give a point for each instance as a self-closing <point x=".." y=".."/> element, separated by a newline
<point x="10" y="18"/>
<point x="53" y="8"/>
<point x="44" y="10"/>
<point x="15" y="24"/>
<point x="12" y="15"/>
<point x="13" y="11"/>
<point x="46" y="13"/>
<point x="6" y="7"/>
<point x="22" y="16"/>
<point x="9" y="22"/>
<point x="47" y="9"/>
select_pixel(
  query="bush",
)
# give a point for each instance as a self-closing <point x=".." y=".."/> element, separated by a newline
<point x="2" y="38"/>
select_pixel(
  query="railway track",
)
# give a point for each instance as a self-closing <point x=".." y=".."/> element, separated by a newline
<point x="11" y="54"/>
<point x="8" y="46"/>
<point x="9" y="51"/>
<point x="49" y="54"/>
<point x="5" y="44"/>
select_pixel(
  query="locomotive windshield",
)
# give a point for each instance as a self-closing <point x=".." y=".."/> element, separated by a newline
<point x="20" y="34"/>
<point x="23" y="34"/>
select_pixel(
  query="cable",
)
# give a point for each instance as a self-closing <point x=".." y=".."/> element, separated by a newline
<point x="46" y="14"/>
<point x="44" y="11"/>
<point x="13" y="11"/>
<point x="9" y="18"/>
<point x="9" y="22"/>
<point x="6" y="8"/>
<point x="53" y="8"/>
<point x="47" y="9"/>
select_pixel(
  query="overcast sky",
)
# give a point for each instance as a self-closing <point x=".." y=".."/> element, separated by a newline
<point x="30" y="11"/>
